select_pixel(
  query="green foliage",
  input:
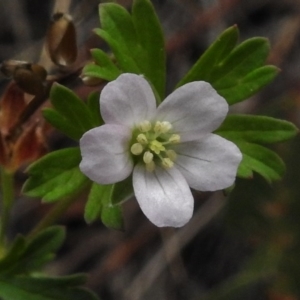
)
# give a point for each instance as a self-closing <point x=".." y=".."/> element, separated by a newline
<point x="245" y="131"/>
<point x="69" y="113"/>
<point x="136" y="41"/>
<point x="236" y="72"/>
<point x="55" y="176"/>
<point x="104" y="67"/>
<point x="99" y="205"/>
<point x="25" y="256"/>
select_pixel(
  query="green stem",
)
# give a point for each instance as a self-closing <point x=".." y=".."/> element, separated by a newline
<point x="53" y="215"/>
<point x="7" y="185"/>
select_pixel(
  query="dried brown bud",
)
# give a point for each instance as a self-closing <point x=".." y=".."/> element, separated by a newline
<point x="61" y="40"/>
<point x="9" y="66"/>
<point x="30" y="78"/>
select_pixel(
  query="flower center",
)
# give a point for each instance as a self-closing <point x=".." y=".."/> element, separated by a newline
<point x="152" y="143"/>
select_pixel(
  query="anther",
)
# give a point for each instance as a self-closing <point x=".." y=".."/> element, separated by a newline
<point x="167" y="163"/>
<point x="142" y="139"/>
<point x="150" y="166"/>
<point x="174" y="138"/>
<point x="171" y="154"/>
<point x="145" y="126"/>
<point x="148" y="157"/>
<point x="136" y="149"/>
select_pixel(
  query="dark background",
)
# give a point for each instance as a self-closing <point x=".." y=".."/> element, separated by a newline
<point x="255" y="230"/>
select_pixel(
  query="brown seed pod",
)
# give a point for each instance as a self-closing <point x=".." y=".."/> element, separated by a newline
<point x="61" y="40"/>
<point x="30" y="78"/>
<point x="9" y="66"/>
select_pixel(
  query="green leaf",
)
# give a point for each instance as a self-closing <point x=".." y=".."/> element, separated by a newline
<point x="27" y="256"/>
<point x="235" y="72"/>
<point x="93" y="103"/>
<point x="125" y="62"/>
<point x="212" y="57"/>
<point x="243" y="88"/>
<point x="61" y="123"/>
<point x="55" y="176"/>
<point x="117" y="22"/>
<point x="246" y="57"/>
<point x="99" y="195"/>
<point x="256" y="129"/>
<point x="99" y="205"/>
<point x="122" y="191"/>
<point x="261" y="160"/>
<point x="112" y="217"/>
<point x="150" y="36"/>
<point x="104" y="67"/>
<point x="44" y="288"/>
<point x="72" y="108"/>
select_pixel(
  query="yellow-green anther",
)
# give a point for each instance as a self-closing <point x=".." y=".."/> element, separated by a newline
<point x="136" y="149"/>
<point x="166" y="126"/>
<point x="145" y="126"/>
<point x="174" y="138"/>
<point x="171" y="154"/>
<point x="142" y="139"/>
<point x="156" y="147"/>
<point x="150" y="166"/>
<point x="167" y="163"/>
<point x="158" y="127"/>
<point x="148" y="157"/>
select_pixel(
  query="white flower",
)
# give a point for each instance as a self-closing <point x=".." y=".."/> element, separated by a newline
<point x="167" y="148"/>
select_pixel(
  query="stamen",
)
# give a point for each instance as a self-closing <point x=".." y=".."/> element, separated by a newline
<point x="142" y="139"/>
<point x="171" y="154"/>
<point x="158" y="126"/>
<point x="145" y="126"/>
<point x="167" y="163"/>
<point x="136" y="149"/>
<point x="148" y="157"/>
<point x="174" y="139"/>
<point x="150" y="166"/>
<point x="166" y="126"/>
<point x="156" y="147"/>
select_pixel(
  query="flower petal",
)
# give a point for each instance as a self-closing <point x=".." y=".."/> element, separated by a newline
<point x="163" y="195"/>
<point x="194" y="110"/>
<point x="105" y="154"/>
<point x="210" y="164"/>
<point x="128" y="100"/>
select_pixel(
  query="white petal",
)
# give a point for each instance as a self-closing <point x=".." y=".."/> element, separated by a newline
<point x="163" y="195"/>
<point x="194" y="110"/>
<point x="210" y="164"/>
<point x="105" y="154"/>
<point x="128" y="100"/>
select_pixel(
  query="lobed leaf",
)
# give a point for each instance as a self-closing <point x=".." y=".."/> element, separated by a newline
<point x="55" y="176"/>
<point x="151" y="38"/>
<point x="27" y="256"/>
<point x="72" y="108"/>
<point x="61" y="123"/>
<point x="261" y="160"/>
<point x="212" y="57"/>
<point x="247" y="86"/>
<point x="44" y="288"/>
<point x="98" y="195"/>
<point x="256" y="129"/>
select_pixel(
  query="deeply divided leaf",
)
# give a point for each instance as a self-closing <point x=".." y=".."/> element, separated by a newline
<point x="256" y="129"/>
<point x="72" y="108"/>
<point x="261" y="160"/>
<point x="55" y="176"/>
<point x="150" y="36"/>
<point x="212" y="57"/>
